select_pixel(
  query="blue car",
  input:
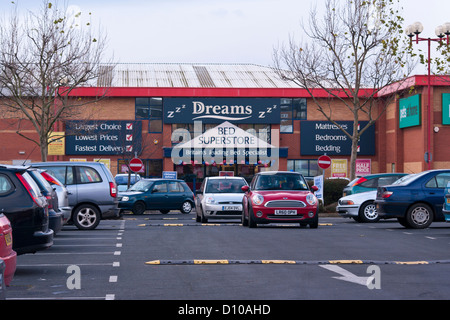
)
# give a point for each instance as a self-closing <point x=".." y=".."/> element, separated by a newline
<point x="415" y="200"/>
<point x="157" y="194"/>
<point x="446" y="209"/>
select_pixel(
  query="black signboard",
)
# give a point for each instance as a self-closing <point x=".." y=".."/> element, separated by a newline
<point x="218" y="110"/>
<point x="323" y="137"/>
<point x="103" y="137"/>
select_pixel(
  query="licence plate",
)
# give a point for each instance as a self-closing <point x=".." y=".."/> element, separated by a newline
<point x="8" y="239"/>
<point x="286" y="212"/>
<point x="231" y="208"/>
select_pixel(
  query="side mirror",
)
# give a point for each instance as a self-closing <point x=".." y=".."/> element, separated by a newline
<point x="245" y="188"/>
<point x="314" y="188"/>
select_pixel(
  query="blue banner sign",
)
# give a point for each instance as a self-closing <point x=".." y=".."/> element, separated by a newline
<point x="103" y="137"/>
<point x="323" y="137"/>
<point x="218" y="110"/>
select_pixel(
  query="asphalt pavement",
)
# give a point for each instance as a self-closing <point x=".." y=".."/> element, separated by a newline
<point x="171" y="257"/>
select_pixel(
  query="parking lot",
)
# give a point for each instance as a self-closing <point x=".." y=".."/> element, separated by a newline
<point x="172" y="257"/>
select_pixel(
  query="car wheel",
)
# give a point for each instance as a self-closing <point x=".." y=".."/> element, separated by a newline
<point x="368" y="212"/>
<point x="419" y="216"/>
<point x="203" y="219"/>
<point x="138" y="208"/>
<point x="315" y="223"/>
<point x="251" y="221"/>
<point x="243" y="220"/>
<point x="186" y="207"/>
<point x="86" y="217"/>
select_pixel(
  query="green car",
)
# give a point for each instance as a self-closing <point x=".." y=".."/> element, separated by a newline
<point x="157" y="194"/>
<point x="371" y="182"/>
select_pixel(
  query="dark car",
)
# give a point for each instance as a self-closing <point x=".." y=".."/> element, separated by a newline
<point x="157" y="194"/>
<point x="371" y="182"/>
<point x="55" y="216"/>
<point x="416" y="200"/>
<point x="279" y="196"/>
<point x="23" y="204"/>
<point x="2" y="280"/>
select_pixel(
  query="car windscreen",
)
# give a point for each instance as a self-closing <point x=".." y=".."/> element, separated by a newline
<point x="281" y="182"/>
<point x="141" y="185"/>
<point x="225" y="186"/>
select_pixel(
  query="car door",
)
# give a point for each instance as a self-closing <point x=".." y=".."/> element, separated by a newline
<point x="158" y="198"/>
<point x="89" y="185"/>
<point x="176" y="195"/>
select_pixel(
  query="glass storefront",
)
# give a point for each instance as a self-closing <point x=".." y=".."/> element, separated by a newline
<point x="195" y="173"/>
<point x="153" y="168"/>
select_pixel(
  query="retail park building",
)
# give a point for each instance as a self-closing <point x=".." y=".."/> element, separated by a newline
<point x="208" y="119"/>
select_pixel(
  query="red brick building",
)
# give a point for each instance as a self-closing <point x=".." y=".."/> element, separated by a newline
<point x="172" y="115"/>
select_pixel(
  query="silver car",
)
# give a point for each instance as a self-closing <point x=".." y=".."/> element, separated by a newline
<point x="219" y="197"/>
<point x="92" y="191"/>
<point x="63" y="195"/>
<point x="359" y="206"/>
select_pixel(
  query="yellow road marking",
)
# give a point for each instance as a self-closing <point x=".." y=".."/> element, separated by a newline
<point x="411" y="262"/>
<point x="278" y="261"/>
<point x="345" y="261"/>
<point x="210" y="261"/>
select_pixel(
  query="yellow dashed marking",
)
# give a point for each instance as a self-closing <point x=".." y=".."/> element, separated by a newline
<point x="210" y="261"/>
<point x="345" y="261"/>
<point x="411" y="262"/>
<point x="278" y="261"/>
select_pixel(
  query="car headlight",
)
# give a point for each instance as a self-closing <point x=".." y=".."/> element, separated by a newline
<point x="125" y="198"/>
<point x="257" y="199"/>
<point x="210" y="200"/>
<point x="311" y="199"/>
<point x="346" y="202"/>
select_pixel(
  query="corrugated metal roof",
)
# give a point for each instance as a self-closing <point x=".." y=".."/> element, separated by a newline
<point x="166" y="75"/>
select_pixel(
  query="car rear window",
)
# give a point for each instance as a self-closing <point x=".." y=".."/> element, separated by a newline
<point x="62" y="173"/>
<point x="88" y="175"/>
<point x="34" y="187"/>
<point x="5" y="184"/>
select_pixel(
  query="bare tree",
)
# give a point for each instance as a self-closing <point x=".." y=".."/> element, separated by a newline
<point x="44" y="57"/>
<point x="353" y="52"/>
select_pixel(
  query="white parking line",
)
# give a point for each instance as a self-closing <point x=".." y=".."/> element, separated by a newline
<point x="112" y="278"/>
<point x="63" y="265"/>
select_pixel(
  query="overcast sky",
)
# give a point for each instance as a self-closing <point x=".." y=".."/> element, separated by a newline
<point x="213" y="31"/>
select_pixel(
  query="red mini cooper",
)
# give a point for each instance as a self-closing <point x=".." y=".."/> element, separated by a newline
<point x="279" y="196"/>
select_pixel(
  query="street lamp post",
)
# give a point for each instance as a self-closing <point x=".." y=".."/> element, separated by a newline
<point x="414" y="30"/>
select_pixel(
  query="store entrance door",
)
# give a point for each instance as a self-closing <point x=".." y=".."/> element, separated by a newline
<point x="227" y="168"/>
